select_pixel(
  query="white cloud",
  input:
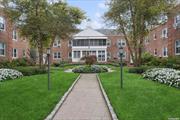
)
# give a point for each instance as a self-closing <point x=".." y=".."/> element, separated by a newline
<point x="102" y="5"/>
<point x="98" y="15"/>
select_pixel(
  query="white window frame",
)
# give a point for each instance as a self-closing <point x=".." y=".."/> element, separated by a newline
<point x="177" y="19"/>
<point x="57" y="43"/>
<point x="165" y="50"/>
<point x="154" y="36"/>
<point x="108" y="43"/>
<point x="77" y="54"/>
<point x="56" y="55"/>
<point x="4" y="48"/>
<point x="69" y="55"/>
<point x="15" y="53"/>
<point x="2" y="22"/>
<point x="177" y="46"/>
<point x="164" y="33"/>
<point x="121" y="42"/>
<point x="14" y="35"/>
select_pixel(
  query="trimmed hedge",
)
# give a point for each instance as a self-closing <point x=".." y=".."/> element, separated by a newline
<point x="28" y="71"/>
<point x="90" y="69"/>
<point x="138" y="70"/>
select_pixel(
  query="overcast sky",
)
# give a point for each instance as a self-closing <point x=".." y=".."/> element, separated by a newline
<point x="94" y="10"/>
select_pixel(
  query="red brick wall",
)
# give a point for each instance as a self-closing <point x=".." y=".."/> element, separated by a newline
<point x="6" y="37"/>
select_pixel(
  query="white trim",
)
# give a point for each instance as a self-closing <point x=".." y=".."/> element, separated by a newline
<point x="4" y="22"/>
<point x="4" y="49"/>
<point x="16" y="53"/>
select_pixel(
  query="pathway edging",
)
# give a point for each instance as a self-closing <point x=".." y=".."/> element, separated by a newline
<point x="110" y="108"/>
<point x="59" y="104"/>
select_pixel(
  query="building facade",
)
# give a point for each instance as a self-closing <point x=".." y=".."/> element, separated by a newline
<point x="104" y="44"/>
<point x="11" y="45"/>
<point x="164" y="39"/>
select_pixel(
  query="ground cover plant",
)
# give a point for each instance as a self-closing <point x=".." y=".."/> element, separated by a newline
<point x="27" y="98"/>
<point x="167" y="76"/>
<point x="7" y="74"/>
<point x="140" y="99"/>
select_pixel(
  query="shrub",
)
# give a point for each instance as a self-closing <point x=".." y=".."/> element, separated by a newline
<point x="137" y="70"/>
<point x="28" y="71"/>
<point x="90" y="69"/>
<point x="6" y="74"/>
<point x="16" y="63"/>
<point x="167" y="76"/>
<point x="89" y="60"/>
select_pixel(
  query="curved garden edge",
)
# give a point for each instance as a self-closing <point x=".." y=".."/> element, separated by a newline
<point x="63" y="98"/>
<point x="110" y="108"/>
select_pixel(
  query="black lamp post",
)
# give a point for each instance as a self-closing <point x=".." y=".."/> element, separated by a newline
<point x="48" y="59"/>
<point x="121" y="64"/>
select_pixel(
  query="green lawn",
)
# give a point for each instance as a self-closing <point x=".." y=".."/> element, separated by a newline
<point x="141" y="99"/>
<point x="28" y="98"/>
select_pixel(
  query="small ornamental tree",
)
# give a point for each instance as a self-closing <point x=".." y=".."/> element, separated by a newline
<point x="89" y="60"/>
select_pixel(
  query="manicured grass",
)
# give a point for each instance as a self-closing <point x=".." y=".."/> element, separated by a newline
<point x="141" y="99"/>
<point x="28" y="98"/>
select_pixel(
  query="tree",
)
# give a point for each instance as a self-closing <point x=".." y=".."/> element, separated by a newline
<point x="134" y="18"/>
<point x="41" y="21"/>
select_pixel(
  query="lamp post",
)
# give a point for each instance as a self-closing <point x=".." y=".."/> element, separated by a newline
<point x="121" y="64"/>
<point x="48" y="59"/>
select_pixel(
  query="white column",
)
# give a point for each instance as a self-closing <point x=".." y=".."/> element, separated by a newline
<point x="105" y="55"/>
<point x="97" y="54"/>
<point x="81" y="54"/>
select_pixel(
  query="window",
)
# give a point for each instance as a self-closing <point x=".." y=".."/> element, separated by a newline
<point x="177" y="19"/>
<point x="70" y="54"/>
<point x="155" y="52"/>
<point x="57" y="55"/>
<point x="101" y="55"/>
<point x="15" y="53"/>
<point x="14" y="34"/>
<point x="57" y="43"/>
<point x="121" y="43"/>
<point x="165" y="52"/>
<point x="147" y="39"/>
<point x="2" y="23"/>
<point x="165" y="33"/>
<point x="108" y="43"/>
<point x="24" y="53"/>
<point x="2" y="49"/>
<point x="177" y="47"/>
<point x="92" y="42"/>
<point x="76" y="54"/>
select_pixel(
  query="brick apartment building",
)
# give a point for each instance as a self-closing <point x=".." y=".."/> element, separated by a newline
<point x="102" y="43"/>
<point x="11" y="45"/>
<point x="164" y="39"/>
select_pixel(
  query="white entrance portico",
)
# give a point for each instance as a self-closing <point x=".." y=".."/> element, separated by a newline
<point x="89" y="42"/>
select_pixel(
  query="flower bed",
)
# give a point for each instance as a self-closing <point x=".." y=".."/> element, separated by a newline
<point x="90" y="69"/>
<point x="167" y="76"/>
<point x="6" y="74"/>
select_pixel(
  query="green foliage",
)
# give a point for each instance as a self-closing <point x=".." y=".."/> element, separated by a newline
<point x="90" y="69"/>
<point x="133" y="18"/>
<point x="28" y="71"/>
<point x="170" y="62"/>
<point x="16" y="62"/>
<point x="138" y="70"/>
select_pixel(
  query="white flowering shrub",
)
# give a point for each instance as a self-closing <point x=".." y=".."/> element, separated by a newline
<point x="167" y="76"/>
<point x="6" y="74"/>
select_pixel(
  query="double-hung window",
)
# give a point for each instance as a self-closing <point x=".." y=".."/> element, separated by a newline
<point x="177" y="47"/>
<point x="15" y="53"/>
<point x="2" y="23"/>
<point x="2" y="49"/>
<point x="14" y="35"/>
<point x="57" y="55"/>
<point x="164" y="33"/>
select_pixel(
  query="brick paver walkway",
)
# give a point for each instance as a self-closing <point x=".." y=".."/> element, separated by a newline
<point x="85" y="102"/>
